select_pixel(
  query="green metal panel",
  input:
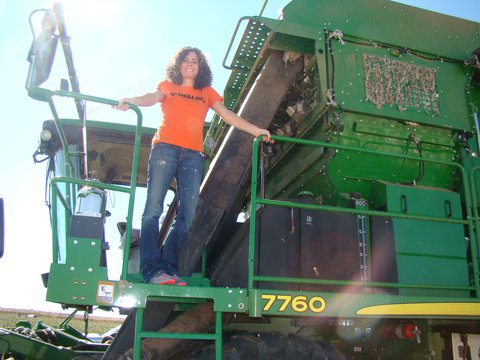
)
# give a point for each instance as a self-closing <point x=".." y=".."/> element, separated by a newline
<point x="419" y="200"/>
<point x="351" y="305"/>
<point x="329" y="173"/>
<point x="431" y="253"/>
<point x="389" y="23"/>
<point x="370" y="79"/>
<point x="75" y="285"/>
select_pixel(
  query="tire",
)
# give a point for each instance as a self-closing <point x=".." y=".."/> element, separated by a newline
<point x="269" y="346"/>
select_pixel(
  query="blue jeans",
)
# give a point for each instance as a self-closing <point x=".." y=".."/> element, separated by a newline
<point x="167" y="162"/>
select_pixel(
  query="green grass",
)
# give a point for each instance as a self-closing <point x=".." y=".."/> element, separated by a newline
<point x="10" y="317"/>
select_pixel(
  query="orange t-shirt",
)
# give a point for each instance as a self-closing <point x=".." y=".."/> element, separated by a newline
<point x="184" y="110"/>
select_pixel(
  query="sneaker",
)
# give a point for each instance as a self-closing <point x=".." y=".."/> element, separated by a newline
<point x="162" y="278"/>
<point x="178" y="281"/>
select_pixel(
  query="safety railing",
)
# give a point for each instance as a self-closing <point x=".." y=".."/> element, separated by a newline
<point x="475" y="216"/>
<point x="256" y="201"/>
<point x="71" y="182"/>
<point x="140" y="334"/>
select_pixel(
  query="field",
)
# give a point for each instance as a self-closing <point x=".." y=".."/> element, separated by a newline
<point x="96" y="324"/>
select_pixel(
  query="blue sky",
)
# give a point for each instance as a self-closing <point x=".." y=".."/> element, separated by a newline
<point x="120" y="48"/>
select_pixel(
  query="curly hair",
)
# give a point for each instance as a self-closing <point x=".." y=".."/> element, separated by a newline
<point x="204" y="77"/>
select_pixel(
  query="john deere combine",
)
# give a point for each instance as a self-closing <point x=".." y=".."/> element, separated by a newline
<point x="360" y="226"/>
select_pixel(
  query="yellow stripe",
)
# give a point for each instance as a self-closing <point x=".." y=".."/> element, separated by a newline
<point x="445" y="309"/>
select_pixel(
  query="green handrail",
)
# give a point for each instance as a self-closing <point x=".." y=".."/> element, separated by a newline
<point x="474" y="242"/>
<point x="74" y="181"/>
<point x="258" y="201"/>
<point x="372" y="284"/>
<point x="242" y="19"/>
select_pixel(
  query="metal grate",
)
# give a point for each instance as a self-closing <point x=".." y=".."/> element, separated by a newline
<point x="247" y="52"/>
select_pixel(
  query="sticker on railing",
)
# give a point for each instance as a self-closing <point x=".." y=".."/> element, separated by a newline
<point x="105" y="292"/>
<point x="299" y="304"/>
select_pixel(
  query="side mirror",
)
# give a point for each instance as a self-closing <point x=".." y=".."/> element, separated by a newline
<point x="2" y="228"/>
<point x="42" y="52"/>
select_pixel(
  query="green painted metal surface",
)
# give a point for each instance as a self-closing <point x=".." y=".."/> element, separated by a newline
<point x="376" y="77"/>
<point x="426" y="252"/>
<point x="386" y="117"/>
<point x="23" y="346"/>
<point x="428" y="240"/>
<point x="327" y="173"/>
<point x="353" y="305"/>
<point x="388" y="22"/>
<point x="372" y="80"/>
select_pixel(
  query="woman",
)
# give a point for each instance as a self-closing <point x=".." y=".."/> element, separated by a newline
<point x="185" y="96"/>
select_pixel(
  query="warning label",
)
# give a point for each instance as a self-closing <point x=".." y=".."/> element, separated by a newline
<point x="105" y="292"/>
